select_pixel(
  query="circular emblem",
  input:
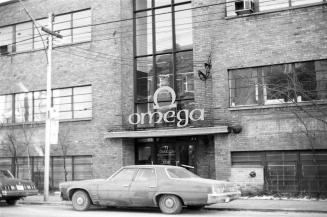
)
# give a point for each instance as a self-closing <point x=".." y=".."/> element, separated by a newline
<point x="173" y="97"/>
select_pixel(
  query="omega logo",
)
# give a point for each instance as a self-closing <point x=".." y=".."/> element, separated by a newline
<point x="182" y="116"/>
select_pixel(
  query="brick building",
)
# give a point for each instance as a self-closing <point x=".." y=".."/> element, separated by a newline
<point x="231" y="90"/>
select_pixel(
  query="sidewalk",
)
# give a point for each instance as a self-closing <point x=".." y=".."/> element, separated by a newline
<point x="317" y="206"/>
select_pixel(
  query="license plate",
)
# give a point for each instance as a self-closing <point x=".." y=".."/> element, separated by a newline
<point x="20" y="187"/>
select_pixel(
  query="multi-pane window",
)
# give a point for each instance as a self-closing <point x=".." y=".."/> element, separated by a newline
<point x="6" y="40"/>
<point x="71" y="103"/>
<point x="164" y="51"/>
<point x="276" y="84"/>
<point x="6" y="109"/>
<point x="234" y="8"/>
<point x="74" y="27"/>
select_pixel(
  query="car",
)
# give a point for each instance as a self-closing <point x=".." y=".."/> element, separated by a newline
<point x="168" y="187"/>
<point x="12" y="189"/>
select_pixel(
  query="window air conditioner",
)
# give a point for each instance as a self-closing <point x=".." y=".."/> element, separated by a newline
<point x="244" y="7"/>
<point x="5" y="49"/>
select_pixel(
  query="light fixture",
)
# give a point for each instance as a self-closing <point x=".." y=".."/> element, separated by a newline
<point x="207" y="66"/>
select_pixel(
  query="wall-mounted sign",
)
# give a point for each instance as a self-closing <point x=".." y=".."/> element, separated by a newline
<point x="182" y="117"/>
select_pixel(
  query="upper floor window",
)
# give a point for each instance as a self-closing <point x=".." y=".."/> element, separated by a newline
<point x="164" y="51"/>
<point x="74" y="27"/>
<point x="240" y="7"/>
<point x="71" y="103"/>
<point x="276" y="84"/>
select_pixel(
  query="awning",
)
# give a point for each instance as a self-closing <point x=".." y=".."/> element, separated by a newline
<point x="168" y="132"/>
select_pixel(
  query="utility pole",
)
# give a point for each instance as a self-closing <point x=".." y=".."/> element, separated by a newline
<point x="51" y="34"/>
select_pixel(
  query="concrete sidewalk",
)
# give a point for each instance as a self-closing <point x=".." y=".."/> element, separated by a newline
<point x="248" y="204"/>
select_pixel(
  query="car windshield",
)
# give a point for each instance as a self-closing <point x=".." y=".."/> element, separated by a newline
<point x="180" y="173"/>
<point x="6" y="174"/>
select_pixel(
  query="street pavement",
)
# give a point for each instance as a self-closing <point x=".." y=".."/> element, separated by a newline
<point x="46" y="210"/>
<point x="248" y="204"/>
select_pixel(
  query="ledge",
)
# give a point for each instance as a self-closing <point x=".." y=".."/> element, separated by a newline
<point x="35" y="123"/>
<point x="167" y="132"/>
<point x="285" y="105"/>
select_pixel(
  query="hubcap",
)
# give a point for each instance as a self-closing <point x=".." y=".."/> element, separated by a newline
<point x="169" y="202"/>
<point x="80" y="200"/>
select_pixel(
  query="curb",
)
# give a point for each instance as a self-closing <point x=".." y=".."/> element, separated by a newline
<point x="266" y="210"/>
<point x="207" y="208"/>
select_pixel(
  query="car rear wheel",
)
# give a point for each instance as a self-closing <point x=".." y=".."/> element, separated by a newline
<point x="170" y="204"/>
<point x="11" y="202"/>
<point x="81" y="200"/>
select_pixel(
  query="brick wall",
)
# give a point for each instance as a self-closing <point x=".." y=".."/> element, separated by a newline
<point x="105" y="73"/>
<point x="270" y="38"/>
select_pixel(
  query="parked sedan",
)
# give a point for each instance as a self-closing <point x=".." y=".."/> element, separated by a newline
<point x="12" y="189"/>
<point x="167" y="187"/>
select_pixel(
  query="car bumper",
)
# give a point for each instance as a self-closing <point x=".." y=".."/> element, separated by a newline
<point x="18" y="194"/>
<point x="223" y="197"/>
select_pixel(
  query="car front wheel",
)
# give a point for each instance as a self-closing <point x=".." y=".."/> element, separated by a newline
<point x="81" y="201"/>
<point x="170" y="204"/>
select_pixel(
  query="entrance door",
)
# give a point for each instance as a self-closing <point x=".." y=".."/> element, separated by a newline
<point x="167" y="151"/>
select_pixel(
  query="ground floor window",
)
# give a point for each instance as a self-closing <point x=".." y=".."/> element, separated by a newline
<point x="61" y="169"/>
<point x="289" y="171"/>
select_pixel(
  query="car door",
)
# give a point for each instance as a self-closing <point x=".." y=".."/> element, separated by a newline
<point x="115" y="191"/>
<point x="144" y="187"/>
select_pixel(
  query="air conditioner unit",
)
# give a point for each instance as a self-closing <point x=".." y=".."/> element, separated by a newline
<point x="244" y="7"/>
<point x="5" y="49"/>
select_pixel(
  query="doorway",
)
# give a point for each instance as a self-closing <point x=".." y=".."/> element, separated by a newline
<point x="178" y="151"/>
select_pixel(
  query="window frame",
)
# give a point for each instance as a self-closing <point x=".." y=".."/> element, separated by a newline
<point x="34" y="100"/>
<point x="173" y="51"/>
<point x="262" y="91"/>
<point x="35" y="39"/>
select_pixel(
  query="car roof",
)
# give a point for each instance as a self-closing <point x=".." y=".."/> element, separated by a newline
<point x="151" y="166"/>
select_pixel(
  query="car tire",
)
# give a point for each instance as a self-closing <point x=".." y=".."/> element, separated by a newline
<point x="11" y="202"/>
<point x="170" y="204"/>
<point x="81" y="200"/>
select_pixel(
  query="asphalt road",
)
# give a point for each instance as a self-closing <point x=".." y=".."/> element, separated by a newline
<point x="24" y="210"/>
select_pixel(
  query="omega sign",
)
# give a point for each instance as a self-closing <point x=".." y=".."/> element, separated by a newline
<point x="182" y="116"/>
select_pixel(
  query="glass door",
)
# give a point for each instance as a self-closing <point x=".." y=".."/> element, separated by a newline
<point x="178" y="151"/>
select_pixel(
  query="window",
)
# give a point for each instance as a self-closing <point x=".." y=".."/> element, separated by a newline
<point x="146" y="176"/>
<point x="263" y="5"/>
<point x="62" y="25"/>
<point x="24" y="36"/>
<point x="75" y="27"/>
<point x="72" y="103"/>
<point x="287" y="171"/>
<point x="164" y="51"/>
<point x="180" y="173"/>
<point x="82" y="26"/>
<point x="23" y="107"/>
<point x="6" y="109"/>
<point x="276" y="84"/>
<point x="125" y="176"/>
<point x="6" y="39"/>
